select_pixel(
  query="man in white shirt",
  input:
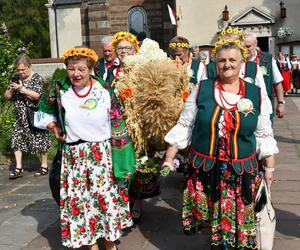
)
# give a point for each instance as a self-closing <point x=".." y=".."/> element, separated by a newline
<point x="109" y="58"/>
<point x="270" y="72"/>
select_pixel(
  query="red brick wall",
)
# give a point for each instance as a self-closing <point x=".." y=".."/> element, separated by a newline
<point x="99" y="20"/>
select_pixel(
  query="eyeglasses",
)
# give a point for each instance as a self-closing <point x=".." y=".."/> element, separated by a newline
<point x="126" y="48"/>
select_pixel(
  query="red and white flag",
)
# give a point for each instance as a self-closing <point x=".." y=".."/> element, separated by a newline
<point x="172" y="15"/>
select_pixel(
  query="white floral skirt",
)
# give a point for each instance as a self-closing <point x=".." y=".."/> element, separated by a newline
<point x="92" y="205"/>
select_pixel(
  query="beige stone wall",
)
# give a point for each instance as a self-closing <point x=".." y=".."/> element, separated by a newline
<point x="68" y="33"/>
<point x="200" y="19"/>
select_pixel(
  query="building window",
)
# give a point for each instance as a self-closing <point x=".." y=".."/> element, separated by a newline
<point x="137" y="23"/>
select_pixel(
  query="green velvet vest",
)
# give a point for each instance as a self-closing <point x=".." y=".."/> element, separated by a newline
<point x="265" y="60"/>
<point x="205" y="140"/>
<point x="99" y="68"/>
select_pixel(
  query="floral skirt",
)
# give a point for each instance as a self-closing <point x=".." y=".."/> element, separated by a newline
<point x="222" y="201"/>
<point x="92" y="205"/>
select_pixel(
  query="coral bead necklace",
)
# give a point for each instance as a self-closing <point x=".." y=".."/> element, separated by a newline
<point x="86" y="94"/>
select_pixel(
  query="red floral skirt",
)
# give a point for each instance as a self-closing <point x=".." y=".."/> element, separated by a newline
<point x="92" y="205"/>
<point x="222" y="201"/>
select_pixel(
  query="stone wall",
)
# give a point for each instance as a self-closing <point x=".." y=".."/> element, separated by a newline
<point x="46" y="66"/>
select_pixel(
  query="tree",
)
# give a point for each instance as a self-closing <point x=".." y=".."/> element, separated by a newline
<point x="27" y="20"/>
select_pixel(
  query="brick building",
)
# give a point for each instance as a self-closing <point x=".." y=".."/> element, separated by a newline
<point x="76" y="22"/>
<point x="145" y="18"/>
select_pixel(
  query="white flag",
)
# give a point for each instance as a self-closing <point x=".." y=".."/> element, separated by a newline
<point x="172" y="15"/>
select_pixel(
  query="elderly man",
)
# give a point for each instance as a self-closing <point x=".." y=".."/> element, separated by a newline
<point x="109" y="58"/>
<point x="270" y="71"/>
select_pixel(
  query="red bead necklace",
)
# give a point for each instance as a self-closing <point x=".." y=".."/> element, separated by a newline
<point x="86" y="94"/>
<point x="223" y="99"/>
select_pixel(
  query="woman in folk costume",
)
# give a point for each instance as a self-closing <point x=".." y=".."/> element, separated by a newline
<point x="124" y="44"/>
<point x="227" y="124"/>
<point x="250" y="71"/>
<point x="180" y="48"/>
<point x="92" y="205"/>
<point x="284" y="66"/>
<point x="151" y="84"/>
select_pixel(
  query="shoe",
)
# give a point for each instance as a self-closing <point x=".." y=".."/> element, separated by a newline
<point x="191" y="230"/>
<point x="41" y="171"/>
<point x="17" y="173"/>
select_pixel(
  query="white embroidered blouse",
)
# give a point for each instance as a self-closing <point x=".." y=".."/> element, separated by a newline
<point x="180" y="135"/>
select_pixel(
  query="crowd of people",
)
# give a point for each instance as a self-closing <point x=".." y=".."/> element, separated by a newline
<point x="226" y="126"/>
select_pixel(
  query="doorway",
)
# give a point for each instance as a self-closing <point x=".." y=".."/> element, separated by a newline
<point x="263" y="43"/>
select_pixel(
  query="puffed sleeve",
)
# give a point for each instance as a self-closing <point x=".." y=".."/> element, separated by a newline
<point x="47" y="108"/>
<point x="180" y="135"/>
<point x="266" y="144"/>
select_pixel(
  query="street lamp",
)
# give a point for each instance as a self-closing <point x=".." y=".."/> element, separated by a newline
<point x="282" y="10"/>
<point x="225" y="14"/>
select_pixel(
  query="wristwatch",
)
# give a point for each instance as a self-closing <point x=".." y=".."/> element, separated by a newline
<point x="281" y="102"/>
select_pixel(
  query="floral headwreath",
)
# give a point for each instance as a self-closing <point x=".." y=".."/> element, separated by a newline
<point x="85" y="52"/>
<point x="124" y="35"/>
<point x="222" y="42"/>
<point x="229" y="31"/>
<point x="179" y="45"/>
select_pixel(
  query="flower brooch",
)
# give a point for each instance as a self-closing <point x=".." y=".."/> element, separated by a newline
<point x="245" y="106"/>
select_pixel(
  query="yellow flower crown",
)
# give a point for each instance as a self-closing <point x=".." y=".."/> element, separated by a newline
<point x="85" y="52"/>
<point x="124" y="35"/>
<point x="179" y="45"/>
<point x="229" y="31"/>
<point x="222" y="42"/>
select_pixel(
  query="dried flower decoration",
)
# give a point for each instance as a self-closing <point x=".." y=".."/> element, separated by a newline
<point x="233" y="31"/>
<point x="124" y="35"/>
<point x="219" y="44"/>
<point x="85" y="52"/>
<point x="179" y="45"/>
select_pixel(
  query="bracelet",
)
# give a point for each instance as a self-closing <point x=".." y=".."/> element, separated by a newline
<point x="269" y="169"/>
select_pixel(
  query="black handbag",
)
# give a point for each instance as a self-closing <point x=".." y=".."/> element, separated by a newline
<point x="30" y="119"/>
<point x="54" y="175"/>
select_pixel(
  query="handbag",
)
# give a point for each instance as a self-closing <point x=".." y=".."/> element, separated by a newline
<point x="54" y="175"/>
<point x="265" y="217"/>
<point x="30" y="118"/>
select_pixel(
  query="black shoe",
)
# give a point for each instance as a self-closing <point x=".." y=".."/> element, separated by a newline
<point x="189" y="230"/>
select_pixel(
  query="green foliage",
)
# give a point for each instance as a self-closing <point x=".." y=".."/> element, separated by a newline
<point x="59" y="74"/>
<point x="9" y="51"/>
<point x="28" y="21"/>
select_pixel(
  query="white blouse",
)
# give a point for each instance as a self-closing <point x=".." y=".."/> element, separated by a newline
<point x="86" y="118"/>
<point x="180" y="135"/>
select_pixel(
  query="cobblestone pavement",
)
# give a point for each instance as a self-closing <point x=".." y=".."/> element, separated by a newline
<point x="29" y="217"/>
